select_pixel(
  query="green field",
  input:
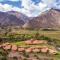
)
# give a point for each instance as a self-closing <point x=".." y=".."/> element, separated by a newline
<point x="51" y="34"/>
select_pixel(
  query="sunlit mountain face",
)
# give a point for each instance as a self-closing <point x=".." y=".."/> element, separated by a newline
<point x="30" y="8"/>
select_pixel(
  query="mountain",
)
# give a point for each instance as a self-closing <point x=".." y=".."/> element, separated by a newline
<point x="10" y="19"/>
<point x="50" y="19"/>
<point x="19" y="15"/>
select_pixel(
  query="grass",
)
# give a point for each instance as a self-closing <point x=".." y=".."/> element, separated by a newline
<point x="51" y="34"/>
<point x="57" y="57"/>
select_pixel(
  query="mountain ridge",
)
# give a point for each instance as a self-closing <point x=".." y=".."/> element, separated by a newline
<point x="50" y="19"/>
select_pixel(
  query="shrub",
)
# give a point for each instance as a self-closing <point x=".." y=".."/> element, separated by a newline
<point x="37" y="35"/>
<point x="2" y="55"/>
<point x="28" y="37"/>
<point x="49" y="29"/>
<point x="45" y="38"/>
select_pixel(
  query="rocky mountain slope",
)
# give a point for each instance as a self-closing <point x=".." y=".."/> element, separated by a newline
<point x="19" y="15"/>
<point x="49" y="19"/>
<point x="10" y="19"/>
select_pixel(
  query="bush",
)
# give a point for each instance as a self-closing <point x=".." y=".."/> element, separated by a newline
<point x="2" y="55"/>
<point x="37" y="36"/>
<point x="49" y="29"/>
<point x="28" y="37"/>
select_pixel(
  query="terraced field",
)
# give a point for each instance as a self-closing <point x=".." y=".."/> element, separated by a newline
<point x="53" y="38"/>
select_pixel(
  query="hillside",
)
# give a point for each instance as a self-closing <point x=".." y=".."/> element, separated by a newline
<point x="10" y="19"/>
<point x="50" y="19"/>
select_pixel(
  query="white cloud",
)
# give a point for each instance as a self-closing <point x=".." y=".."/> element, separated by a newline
<point x="6" y="7"/>
<point x="29" y="7"/>
<point x="56" y="5"/>
<point x="48" y="1"/>
<point x="16" y="9"/>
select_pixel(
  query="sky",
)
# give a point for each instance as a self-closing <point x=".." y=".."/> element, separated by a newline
<point x="31" y="8"/>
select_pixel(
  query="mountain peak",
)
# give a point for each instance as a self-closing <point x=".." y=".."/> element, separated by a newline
<point x="50" y="19"/>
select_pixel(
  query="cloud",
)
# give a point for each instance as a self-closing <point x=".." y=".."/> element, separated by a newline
<point x="29" y="8"/>
<point x="7" y="7"/>
<point x="56" y="5"/>
<point x="48" y="1"/>
<point x="32" y="9"/>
